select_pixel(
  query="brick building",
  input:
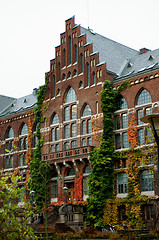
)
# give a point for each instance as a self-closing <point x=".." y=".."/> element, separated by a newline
<point x="73" y="118"/>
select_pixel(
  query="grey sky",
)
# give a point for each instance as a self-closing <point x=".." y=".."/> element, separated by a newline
<point x="30" y="31"/>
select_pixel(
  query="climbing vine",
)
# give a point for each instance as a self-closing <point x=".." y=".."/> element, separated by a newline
<point x="134" y="200"/>
<point x="102" y="174"/>
<point x="39" y="170"/>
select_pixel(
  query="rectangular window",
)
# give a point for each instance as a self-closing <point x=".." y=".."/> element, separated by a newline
<point x="85" y="186"/>
<point x="124" y="118"/>
<point x="84" y="127"/>
<point x="73" y="130"/>
<point x="66" y="131"/>
<point x="73" y="144"/>
<point x="89" y="141"/>
<point x="73" y="112"/>
<point x="89" y="129"/>
<point x="54" y="189"/>
<point x="67" y="113"/>
<point x="84" y="142"/>
<point x="125" y="140"/>
<point x="53" y="134"/>
<point x="117" y="122"/>
<point x="117" y="141"/>
<point x="139" y="115"/>
<point x="147" y="180"/>
<point x="148" y="111"/>
<point x="122" y="183"/>
<point x="52" y="148"/>
<point x="57" y="133"/>
<point x="66" y="146"/>
<point x="140" y="136"/>
<point x="57" y="147"/>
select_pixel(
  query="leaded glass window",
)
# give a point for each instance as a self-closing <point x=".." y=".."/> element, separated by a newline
<point x="66" y="146"/>
<point x="85" y="186"/>
<point x="117" y="122"/>
<point x="89" y="141"/>
<point x="148" y="111"/>
<point x="71" y="172"/>
<point x="84" y="127"/>
<point x="84" y="142"/>
<point x="122" y="182"/>
<point x="117" y="141"/>
<point x="144" y="97"/>
<point x="10" y="133"/>
<point x="24" y="130"/>
<point x="55" y="119"/>
<point x="87" y="169"/>
<point x="54" y="189"/>
<point x="124" y="118"/>
<point x="70" y="96"/>
<point x="125" y="140"/>
<point x="89" y="129"/>
<point x="86" y="111"/>
<point x="73" y="144"/>
<point x="121" y="103"/>
<point x="147" y="180"/>
<point x="73" y="130"/>
<point x="139" y="116"/>
<point x="141" y="136"/>
<point x="73" y="111"/>
<point x="67" y="113"/>
<point x="66" y="131"/>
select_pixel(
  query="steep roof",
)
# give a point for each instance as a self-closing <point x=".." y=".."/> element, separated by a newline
<point x="19" y="105"/>
<point x="5" y="101"/>
<point x="143" y="62"/>
<point x="113" y="53"/>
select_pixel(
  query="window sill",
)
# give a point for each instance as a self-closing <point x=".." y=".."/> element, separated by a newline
<point x="122" y="195"/>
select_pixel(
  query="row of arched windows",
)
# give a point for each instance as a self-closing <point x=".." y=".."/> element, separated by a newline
<point x="143" y="107"/>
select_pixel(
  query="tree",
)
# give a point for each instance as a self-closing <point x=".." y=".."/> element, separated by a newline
<point x="13" y="219"/>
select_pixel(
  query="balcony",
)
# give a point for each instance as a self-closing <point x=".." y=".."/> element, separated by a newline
<point x="77" y="152"/>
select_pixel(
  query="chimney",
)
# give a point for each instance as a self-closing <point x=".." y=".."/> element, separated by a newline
<point x="144" y="50"/>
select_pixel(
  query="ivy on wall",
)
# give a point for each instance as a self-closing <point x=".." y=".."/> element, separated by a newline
<point x="102" y="174"/>
<point x="39" y="170"/>
<point x="134" y="200"/>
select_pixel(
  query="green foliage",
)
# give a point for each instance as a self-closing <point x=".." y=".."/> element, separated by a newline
<point x="40" y="170"/>
<point x="102" y="174"/>
<point x="13" y="219"/>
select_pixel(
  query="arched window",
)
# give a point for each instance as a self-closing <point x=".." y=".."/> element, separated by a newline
<point x="55" y="119"/>
<point x="121" y="103"/>
<point x="71" y="172"/>
<point x="55" y="134"/>
<point x="87" y="169"/>
<point x="24" y="130"/>
<point x="86" y="111"/>
<point x="70" y="96"/>
<point x="144" y="97"/>
<point x="10" y="133"/>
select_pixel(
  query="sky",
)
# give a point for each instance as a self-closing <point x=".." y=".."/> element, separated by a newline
<point x="30" y="31"/>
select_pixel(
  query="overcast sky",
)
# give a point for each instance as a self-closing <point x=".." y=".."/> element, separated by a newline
<point x="30" y="31"/>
